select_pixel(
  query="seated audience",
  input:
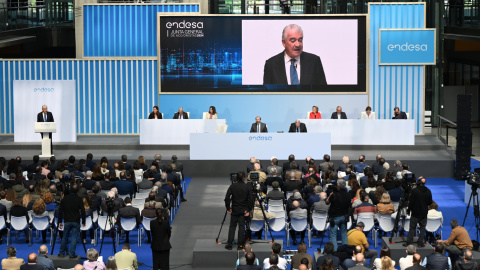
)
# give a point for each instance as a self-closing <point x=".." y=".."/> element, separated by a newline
<point x="328" y="254"/>
<point x="385" y="206"/>
<point x="302" y="253"/>
<point x="275" y="193"/>
<point x="92" y="262"/>
<point x="31" y="263"/>
<point x="437" y="260"/>
<point x="379" y="263"/>
<point x="416" y="261"/>
<point x="126" y="259"/>
<point x="356" y="237"/>
<point x="466" y="262"/>
<point x="12" y="262"/>
<point x="250" y="260"/>
<point x="111" y="264"/>
<point x="359" y="262"/>
<point x="321" y="206"/>
<point x="282" y="262"/>
<point x="243" y="259"/>
<point x="407" y="261"/>
<point x="365" y="206"/>
<point x="297" y="213"/>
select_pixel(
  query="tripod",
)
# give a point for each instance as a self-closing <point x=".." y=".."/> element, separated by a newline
<point x="55" y="231"/>
<point x="401" y="212"/>
<point x="265" y="220"/>
<point x="110" y="220"/>
<point x="476" y="211"/>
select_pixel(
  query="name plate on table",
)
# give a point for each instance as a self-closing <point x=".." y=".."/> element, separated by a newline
<point x="242" y="146"/>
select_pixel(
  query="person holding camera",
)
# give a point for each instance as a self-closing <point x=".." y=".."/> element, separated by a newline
<point x="70" y="211"/>
<point x="239" y="202"/>
<point x="420" y="199"/>
<point x="339" y="201"/>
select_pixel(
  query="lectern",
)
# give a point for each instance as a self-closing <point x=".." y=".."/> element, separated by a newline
<point x="45" y="128"/>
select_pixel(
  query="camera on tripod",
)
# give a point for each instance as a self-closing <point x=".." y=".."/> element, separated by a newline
<point x="233" y="177"/>
<point x="473" y="178"/>
<point x="110" y="202"/>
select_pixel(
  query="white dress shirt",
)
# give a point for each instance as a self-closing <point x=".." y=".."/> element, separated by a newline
<point x="406" y="262"/>
<point x="287" y="67"/>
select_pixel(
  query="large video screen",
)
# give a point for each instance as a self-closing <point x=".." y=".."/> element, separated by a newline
<point x="262" y="54"/>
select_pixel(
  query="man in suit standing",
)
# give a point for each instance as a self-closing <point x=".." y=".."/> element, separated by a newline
<point x="180" y="114"/>
<point x="339" y="114"/>
<point x="297" y="127"/>
<point x="46" y="116"/>
<point x="397" y="114"/>
<point x="129" y="212"/>
<point x="293" y="66"/>
<point x="258" y="126"/>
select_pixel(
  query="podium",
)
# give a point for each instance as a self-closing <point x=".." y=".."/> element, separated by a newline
<point x="45" y="128"/>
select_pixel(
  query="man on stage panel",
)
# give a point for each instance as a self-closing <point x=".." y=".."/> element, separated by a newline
<point x="46" y="116"/>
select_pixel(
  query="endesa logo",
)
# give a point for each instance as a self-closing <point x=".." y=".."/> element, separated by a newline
<point x="43" y="90"/>
<point x="184" y="25"/>
<point x="260" y="138"/>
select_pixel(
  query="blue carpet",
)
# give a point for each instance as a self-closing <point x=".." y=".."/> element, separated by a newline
<point x="144" y="254"/>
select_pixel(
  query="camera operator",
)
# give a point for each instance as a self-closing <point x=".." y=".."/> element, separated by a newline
<point x="70" y="211"/>
<point x="240" y="196"/>
<point x="339" y="201"/>
<point x="420" y="199"/>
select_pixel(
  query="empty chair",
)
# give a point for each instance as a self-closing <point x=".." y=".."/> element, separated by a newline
<point x="145" y="226"/>
<point x="128" y="225"/>
<point x="275" y="205"/>
<point x="385" y="222"/>
<point x="434" y="225"/>
<point x="19" y="224"/>
<point x="279" y="223"/>
<point x="104" y="224"/>
<point x="319" y="221"/>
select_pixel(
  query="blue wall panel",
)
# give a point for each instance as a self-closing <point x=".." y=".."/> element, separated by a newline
<point x="124" y="30"/>
<point x="392" y="86"/>
<point x="111" y="95"/>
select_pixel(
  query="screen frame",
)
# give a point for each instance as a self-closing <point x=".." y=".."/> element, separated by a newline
<point x="289" y="16"/>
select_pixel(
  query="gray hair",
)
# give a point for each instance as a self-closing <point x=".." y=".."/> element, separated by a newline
<point x="411" y="250"/>
<point x="43" y="249"/>
<point x="341" y="183"/>
<point x="467" y="254"/>
<point x="163" y="178"/>
<point x="386" y="166"/>
<point x="111" y="194"/>
<point x="346" y="159"/>
<point x="158" y="157"/>
<point x="292" y="27"/>
<point x="318" y="189"/>
<point x="92" y="254"/>
<point x="398" y="163"/>
<point x="256" y="166"/>
<point x="273" y="170"/>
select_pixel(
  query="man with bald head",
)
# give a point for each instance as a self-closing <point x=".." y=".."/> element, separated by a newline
<point x="297" y="213"/>
<point x="43" y="260"/>
<point x="32" y="263"/>
<point x="416" y="259"/>
<point x="466" y="263"/>
<point x="78" y="267"/>
<point x="46" y="116"/>
<point x="338" y="114"/>
<point x="293" y="66"/>
<point x="359" y="261"/>
<point x="297" y="127"/>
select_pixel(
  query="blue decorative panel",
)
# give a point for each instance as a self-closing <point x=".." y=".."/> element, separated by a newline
<point x="408" y="47"/>
<point x="111" y="95"/>
<point x="126" y="30"/>
<point x="395" y="86"/>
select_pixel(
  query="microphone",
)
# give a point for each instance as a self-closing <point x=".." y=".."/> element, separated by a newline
<point x="295" y="66"/>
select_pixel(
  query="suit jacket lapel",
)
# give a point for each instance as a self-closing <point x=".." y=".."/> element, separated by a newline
<point x="280" y="66"/>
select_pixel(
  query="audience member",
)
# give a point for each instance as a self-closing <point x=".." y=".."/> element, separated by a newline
<point x="111" y="264"/>
<point x="327" y="264"/>
<point x="416" y="260"/>
<point x="406" y="262"/>
<point x="385" y="206"/>
<point x="4" y="201"/>
<point x="356" y="237"/>
<point x="297" y="213"/>
<point x="12" y="262"/>
<point x="339" y="201"/>
<point x="128" y="212"/>
<point x="359" y="167"/>
<point x="250" y="259"/>
<point x="365" y="206"/>
<point x="379" y="263"/>
<point x="126" y="259"/>
<point x="282" y="262"/>
<point x="466" y="263"/>
<point x="275" y="193"/>
<point x="31" y="263"/>
<point x="321" y="206"/>
<point x="274" y="164"/>
<point x="92" y="262"/>
<point x="243" y="259"/>
<point x="457" y="242"/>
<point x="437" y="260"/>
<point x="359" y="261"/>
<point x="302" y="253"/>
<point x="328" y="254"/>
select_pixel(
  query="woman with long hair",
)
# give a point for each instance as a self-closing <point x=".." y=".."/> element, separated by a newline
<point x="161" y="232"/>
<point x="327" y="264"/>
<point x="39" y="211"/>
<point x="97" y="174"/>
<point x="379" y="262"/>
<point x="18" y="210"/>
<point x="111" y="264"/>
<point x="11" y="195"/>
<point x="385" y="205"/>
<point x="143" y="165"/>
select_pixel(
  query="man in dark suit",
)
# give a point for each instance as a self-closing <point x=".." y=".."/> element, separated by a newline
<point x="129" y="212"/>
<point x="89" y="162"/>
<point x="124" y="186"/>
<point x="359" y="167"/>
<point x="46" y="116"/>
<point x="297" y="127"/>
<point x="180" y="114"/>
<point x="32" y="263"/>
<point x="284" y="67"/>
<point x="397" y="114"/>
<point x="33" y="167"/>
<point x="155" y="114"/>
<point x="339" y="114"/>
<point x="258" y="126"/>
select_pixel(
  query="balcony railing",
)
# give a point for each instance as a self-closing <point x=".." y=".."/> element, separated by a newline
<point x="462" y="14"/>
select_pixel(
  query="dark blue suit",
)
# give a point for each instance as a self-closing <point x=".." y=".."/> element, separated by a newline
<point x="124" y="187"/>
<point x="89" y="163"/>
<point x="401" y="115"/>
<point x="359" y="167"/>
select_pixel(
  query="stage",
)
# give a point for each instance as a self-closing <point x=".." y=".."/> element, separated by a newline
<point x="428" y="156"/>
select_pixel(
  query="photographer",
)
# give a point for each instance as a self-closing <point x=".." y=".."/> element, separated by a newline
<point x="239" y="202"/>
<point x="420" y="199"/>
<point x="71" y="208"/>
<point x="339" y="201"/>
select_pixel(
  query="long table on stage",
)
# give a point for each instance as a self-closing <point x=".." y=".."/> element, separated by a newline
<point x="175" y="131"/>
<point x="365" y="132"/>
<point x="242" y="146"/>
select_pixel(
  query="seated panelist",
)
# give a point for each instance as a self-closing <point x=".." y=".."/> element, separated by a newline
<point x="155" y="114"/>
<point x="368" y="114"/>
<point x="258" y="126"/>
<point x="339" y="114"/>
<point x="397" y="114"/>
<point x="315" y="114"/>
<point x="211" y="114"/>
<point x="180" y="114"/>
<point x="297" y="127"/>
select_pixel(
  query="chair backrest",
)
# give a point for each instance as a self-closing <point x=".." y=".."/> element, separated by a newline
<point x="277" y="224"/>
<point x="341" y="174"/>
<point x="19" y="223"/>
<point x="123" y="196"/>
<point x="142" y="195"/>
<point x="103" y="224"/>
<point x="2" y="223"/>
<point x="142" y="191"/>
<point x="368" y="219"/>
<point x="188" y="114"/>
<point x="319" y="221"/>
<point x="204" y="115"/>
<point x="162" y="116"/>
<point x="433" y="224"/>
<point x="88" y="224"/>
<point x="40" y="223"/>
<point x="128" y="224"/>
<point x="95" y="216"/>
<point x="298" y="224"/>
<point x="138" y="201"/>
<point x="386" y="222"/>
<point x="146" y="223"/>
<point x="51" y="215"/>
<point x="140" y="206"/>
<point x="288" y="194"/>
<point x="408" y="115"/>
<point x="257" y="225"/>
<point x="222" y="128"/>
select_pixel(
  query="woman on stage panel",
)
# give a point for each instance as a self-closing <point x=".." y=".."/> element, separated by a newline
<point x="155" y="114"/>
<point x="315" y="114"/>
<point x="368" y="114"/>
<point x="161" y="232"/>
<point x="211" y="114"/>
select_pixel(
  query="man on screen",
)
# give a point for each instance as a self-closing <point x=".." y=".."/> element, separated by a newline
<point x="339" y="114"/>
<point x="46" y="116"/>
<point x="397" y="114"/>
<point x="297" y="127"/>
<point x="293" y="66"/>
<point x="258" y="126"/>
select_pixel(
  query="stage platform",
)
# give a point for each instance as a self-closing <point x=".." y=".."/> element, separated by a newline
<point x="428" y="156"/>
<point x="207" y="251"/>
<point x="397" y="250"/>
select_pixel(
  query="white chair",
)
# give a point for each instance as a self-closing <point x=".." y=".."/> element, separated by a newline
<point x="298" y="225"/>
<point x="138" y="201"/>
<point x="319" y="221"/>
<point x="140" y="206"/>
<point x="385" y="222"/>
<point x="95" y="216"/>
<point x="19" y="224"/>
<point x="88" y="226"/>
<point x="162" y="116"/>
<point x="408" y="115"/>
<point x="104" y="225"/>
<point x="369" y="220"/>
<point x="279" y="223"/>
<point x="129" y="224"/>
<point x="204" y="115"/>
<point x="141" y="191"/>
<point x="275" y="205"/>
<point x="222" y="128"/>
<point x="258" y="225"/>
<point x="123" y="196"/>
<point x="342" y="174"/>
<point x="145" y="225"/>
<point x="434" y="225"/>
<point x="142" y="195"/>
<point x="41" y="224"/>
<point x="288" y="194"/>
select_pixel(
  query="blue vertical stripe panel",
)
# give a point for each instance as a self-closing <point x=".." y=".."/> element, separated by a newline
<point x="111" y="95"/>
<point x="395" y="86"/>
<point x="124" y="30"/>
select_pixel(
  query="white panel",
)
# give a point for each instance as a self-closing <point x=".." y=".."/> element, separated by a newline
<point x="242" y="146"/>
<point x="28" y="100"/>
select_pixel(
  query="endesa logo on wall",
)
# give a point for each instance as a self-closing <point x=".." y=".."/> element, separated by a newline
<point x="186" y="28"/>
<point x="260" y="138"/>
<point x="43" y="90"/>
<point x="407" y="47"/>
